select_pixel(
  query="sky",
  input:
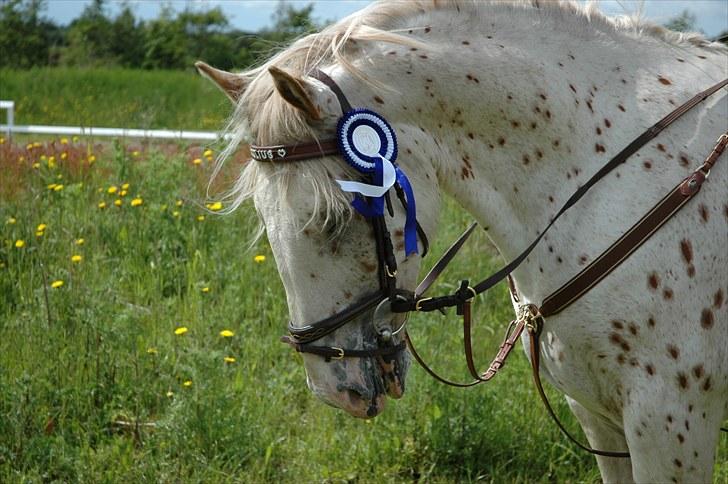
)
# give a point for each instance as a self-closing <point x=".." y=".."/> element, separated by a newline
<point x="252" y="15"/>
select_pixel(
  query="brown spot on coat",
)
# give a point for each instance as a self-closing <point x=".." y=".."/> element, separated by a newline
<point x="704" y="214"/>
<point x="633" y="329"/>
<point x="599" y="148"/>
<point x="680" y="438"/>
<point x="661" y="147"/>
<point x="599" y="130"/>
<point x="664" y="80"/>
<point x="706" y="318"/>
<point x="718" y="299"/>
<point x="667" y="293"/>
<point x="379" y="99"/>
<point x="617" y="339"/>
<point x="647" y="164"/>
<point x="651" y="322"/>
<point x="653" y="281"/>
<point x="607" y="123"/>
<point x="706" y="385"/>
<point x="650" y="368"/>
<point x="571" y="86"/>
<point x="687" y="250"/>
<point x="621" y="108"/>
<point x="526" y="159"/>
<point x="684" y="161"/>
<point x="682" y="380"/>
<point x="617" y="324"/>
<point x="673" y="351"/>
<point x="698" y="371"/>
<point x="465" y="42"/>
<point x="501" y="140"/>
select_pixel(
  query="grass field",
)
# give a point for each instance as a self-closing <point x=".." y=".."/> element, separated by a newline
<point x="100" y="383"/>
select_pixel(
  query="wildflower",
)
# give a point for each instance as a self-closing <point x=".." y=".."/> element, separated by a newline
<point x="135" y="153"/>
<point x="152" y="351"/>
<point x="91" y="158"/>
<point x="163" y="207"/>
<point x="43" y="158"/>
<point x="187" y="383"/>
<point x="75" y="139"/>
<point x="39" y="234"/>
<point x="112" y="189"/>
<point x="76" y="258"/>
<point x="80" y="241"/>
<point x="125" y="186"/>
<point x="215" y="206"/>
<point x="229" y="359"/>
<point x="59" y="176"/>
<point x="11" y="221"/>
<point x="19" y="244"/>
<point x="41" y="227"/>
<point x="170" y="394"/>
<point x="56" y="284"/>
<point x="22" y="158"/>
<point x="200" y="218"/>
<point x="64" y="141"/>
<point x="51" y="186"/>
<point x="196" y="161"/>
<point x="175" y="213"/>
<point x="207" y="153"/>
<point x="29" y="146"/>
<point x="181" y="330"/>
<point x="123" y="193"/>
<point x="36" y="166"/>
<point x="178" y="203"/>
<point x="226" y="333"/>
<point x="259" y="258"/>
<point x="136" y="202"/>
<point x="36" y="144"/>
<point x="64" y="155"/>
<point x="205" y="289"/>
<point x="102" y="205"/>
<point x="58" y="188"/>
<point x="52" y="162"/>
<point x="118" y="202"/>
<point x="2" y="140"/>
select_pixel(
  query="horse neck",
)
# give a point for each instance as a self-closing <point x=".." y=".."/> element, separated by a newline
<point x="517" y="119"/>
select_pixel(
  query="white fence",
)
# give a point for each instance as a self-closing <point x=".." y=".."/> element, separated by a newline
<point x="11" y="128"/>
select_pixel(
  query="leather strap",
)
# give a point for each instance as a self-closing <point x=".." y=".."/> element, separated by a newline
<point x="297" y="152"/>
<point x="334" y="353"/>
<point x="619" y="251"/>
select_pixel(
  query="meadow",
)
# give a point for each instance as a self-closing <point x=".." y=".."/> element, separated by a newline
<point x="139" y="331"/>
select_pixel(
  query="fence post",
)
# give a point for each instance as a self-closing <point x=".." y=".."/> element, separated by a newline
<point x="10" y="106"/>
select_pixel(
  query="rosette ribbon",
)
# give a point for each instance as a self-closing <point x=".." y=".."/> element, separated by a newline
<point x="369" y="199"/>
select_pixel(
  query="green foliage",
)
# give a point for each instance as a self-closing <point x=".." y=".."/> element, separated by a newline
<point x="173" y="40"/>
<point x="685" y="22"/>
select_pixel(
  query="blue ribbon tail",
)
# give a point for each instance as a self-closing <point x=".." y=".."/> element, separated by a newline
<point x="410" y="225"/>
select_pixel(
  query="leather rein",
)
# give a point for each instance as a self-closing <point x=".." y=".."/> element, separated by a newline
<point x="528" y="316"/>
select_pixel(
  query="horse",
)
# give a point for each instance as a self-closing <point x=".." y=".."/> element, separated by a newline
<point x="508" y="107"/>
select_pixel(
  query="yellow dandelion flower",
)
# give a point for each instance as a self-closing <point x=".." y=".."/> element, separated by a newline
<point x="19" y="244"/>
<point x="80" y="241"/>
<point x="75" y="139"/>
<point x="215" y="206"/>
<point x="226" y="333"/>
<point x="91" y="158"/>
<point x="207" y="153"/>
<point x="205" y="289"/>
<point x="102" y="205"/>
<point x="135" y="153"/>
<point x="57" y="284"/>
<point x="175" y="213"/>
<point x="112" y="189"/>
<point x="178" y="203"/>
<point x="200" y="218"/>
<point x="64" y="141"/>
<point x="76" y="258"/>
<point x="11" y="221"/>
<point x="125" y="186"/>
<point x="170" y="394"/>
<point x="229" y="359"/>
<point x="118" y="202"/>
<point x="196" y="161"/>
<point x="41" y="227"/>
<point x="39" y="234"/>
<point x="29" y="146"/>
<point x="64" y="155"/>
<point x="43" y="158"/>
<point x="123" y="193"/>
<point x="36" y="144"/>
<point x="259" y="258"/>
<point x="181" y="330"/>
<point x="51" y="186"/>
<point x="152" y="351"/>
<point x="136" y="202"/>
<point x="22" y="158"/>
<point x="2" y="140"/>
<point x="59" y="176"/>
<point x="51" y="162"/>
<point x="187" y="383"/>
<point x="58" y="188"/>
<point x="36" y="166"/>
<point x="163" y="207"/>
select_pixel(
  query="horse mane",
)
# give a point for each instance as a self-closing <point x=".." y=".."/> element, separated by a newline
<point x="275" y="121"/>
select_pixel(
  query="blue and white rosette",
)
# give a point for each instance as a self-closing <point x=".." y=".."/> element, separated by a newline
<point x="368" y="144"/>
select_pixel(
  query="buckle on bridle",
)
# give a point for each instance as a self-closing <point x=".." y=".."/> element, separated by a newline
<point x="530" y="315"/>
<point x="420" y="301"/>
<point x="340" y="353"/>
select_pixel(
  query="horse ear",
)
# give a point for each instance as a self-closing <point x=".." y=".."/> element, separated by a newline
<point x="231" y="84"/>
<point x="296" y="91"/>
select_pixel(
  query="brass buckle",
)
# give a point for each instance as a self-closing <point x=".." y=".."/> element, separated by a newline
<point x="340" y="352"/>
<point x="420" y="301"/>
<point x="392" y="275"/>
<point x="532" y="318"/>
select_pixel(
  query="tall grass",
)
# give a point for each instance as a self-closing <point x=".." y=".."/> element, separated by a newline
<point x="114" y="97"/>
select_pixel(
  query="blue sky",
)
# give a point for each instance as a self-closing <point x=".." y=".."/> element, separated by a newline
<point x="251" y="15"/>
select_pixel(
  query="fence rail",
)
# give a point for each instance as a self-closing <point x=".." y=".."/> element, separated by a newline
<point x="113" y="132"/>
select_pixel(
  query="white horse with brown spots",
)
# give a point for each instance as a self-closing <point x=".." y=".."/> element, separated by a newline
<point x="508" y="108"/>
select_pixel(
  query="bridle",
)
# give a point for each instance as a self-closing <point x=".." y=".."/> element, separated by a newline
<point x="529" y="316"/>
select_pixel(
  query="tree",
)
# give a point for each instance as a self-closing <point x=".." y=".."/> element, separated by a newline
<point x="685" y="22"/>
<point x="25" y="37"/>
<point x="89" y="38"/>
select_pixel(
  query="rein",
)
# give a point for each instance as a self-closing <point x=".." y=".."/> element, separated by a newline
<point x="529" y="316"/>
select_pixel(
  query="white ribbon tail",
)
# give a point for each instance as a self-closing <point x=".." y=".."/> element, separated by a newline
<point x="388" y="178"/>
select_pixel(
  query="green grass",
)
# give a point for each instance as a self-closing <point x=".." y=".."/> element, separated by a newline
<point x="114" y="97"/>
<point x="102" y="351"/>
